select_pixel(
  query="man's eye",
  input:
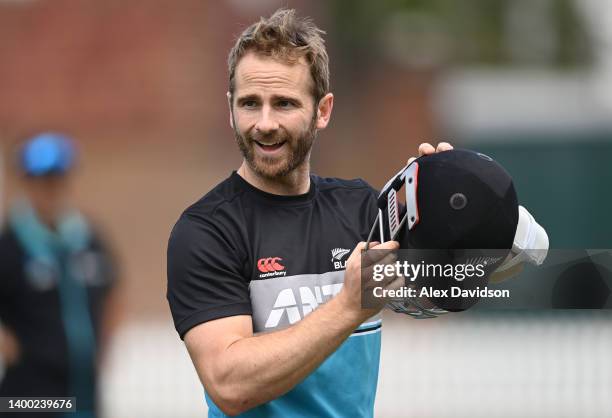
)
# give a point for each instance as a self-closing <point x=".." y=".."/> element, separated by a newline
<point x="249" y="104"/>
<point x="285" y="104"/>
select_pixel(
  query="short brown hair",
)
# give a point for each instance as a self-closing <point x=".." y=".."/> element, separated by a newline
<point x="286" y="37"/>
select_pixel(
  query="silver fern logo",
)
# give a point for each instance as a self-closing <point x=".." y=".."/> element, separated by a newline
<point x="337" y="255"/>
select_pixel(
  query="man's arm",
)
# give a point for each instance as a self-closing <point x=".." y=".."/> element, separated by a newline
<point x="241" y="371"/>
<point x="112" y="317"/>
<point x="9" y="347"/>
<point x="112" y="297"/>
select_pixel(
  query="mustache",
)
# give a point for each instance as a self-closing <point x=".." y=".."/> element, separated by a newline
<point x="274" y="137"/>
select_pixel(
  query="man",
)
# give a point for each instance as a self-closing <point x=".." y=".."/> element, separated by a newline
<point x="260" y="281"/>
<point x="57" y="281"/>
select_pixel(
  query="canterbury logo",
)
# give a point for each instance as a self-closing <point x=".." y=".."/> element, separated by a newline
<point x="339" y="253"/>
<point x="270" y="264"/>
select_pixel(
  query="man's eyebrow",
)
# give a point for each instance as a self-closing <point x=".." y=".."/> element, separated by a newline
<point x="247" y="97"/>
<point x="286" y="97"/>
<point x="276" y="97"/>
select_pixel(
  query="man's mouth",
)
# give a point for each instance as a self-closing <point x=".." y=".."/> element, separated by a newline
<point x="271" y="146"/>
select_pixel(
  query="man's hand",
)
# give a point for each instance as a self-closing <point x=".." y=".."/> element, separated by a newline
<point x="426" y="149"/>
<point x="358" y="264"/>
<point x="9" y="347"/>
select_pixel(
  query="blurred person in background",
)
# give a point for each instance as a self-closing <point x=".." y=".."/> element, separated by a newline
<point x="58" y="290"/>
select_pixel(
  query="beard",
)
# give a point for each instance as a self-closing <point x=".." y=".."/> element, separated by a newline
<point x="271" y="167"/>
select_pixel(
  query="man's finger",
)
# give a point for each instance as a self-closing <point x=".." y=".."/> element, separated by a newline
<point x="360" y="249"/>
<point x="500" y="276"/>
<point x="390" y="257"/>
<point x="389" y="245"/>
<point x="426" y="148"/>
<point x="410" y="160"/>
<point x="444" y="146"/>
<point x="397" y="283"/>
<point x="370" y="257"/>
<point x="368" y="281"/>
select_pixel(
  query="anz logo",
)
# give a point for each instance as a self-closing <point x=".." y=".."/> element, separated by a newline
<point x="297" y="304"/>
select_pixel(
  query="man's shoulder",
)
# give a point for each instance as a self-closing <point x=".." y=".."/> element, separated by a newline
<point x="216" y="211"/>
<point x="326" y="184"/>
<point x="10" y="249"/>
<point x="223" y="195"/>
<point x="8" y="240"/>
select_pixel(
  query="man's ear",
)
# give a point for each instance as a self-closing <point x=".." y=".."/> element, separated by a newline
<point x="229" y="102"/>
<point x="324" y="110"/>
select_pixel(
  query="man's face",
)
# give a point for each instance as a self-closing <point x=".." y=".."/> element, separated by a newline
<point x="47" y="194"/>
<point x="273" y="114"/>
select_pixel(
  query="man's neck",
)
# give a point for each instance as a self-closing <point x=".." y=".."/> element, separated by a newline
<point x="295" y="183"/>
<point x="48" y="218"/>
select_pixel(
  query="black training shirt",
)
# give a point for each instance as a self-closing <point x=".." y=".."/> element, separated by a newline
<point x="237" y="235"/>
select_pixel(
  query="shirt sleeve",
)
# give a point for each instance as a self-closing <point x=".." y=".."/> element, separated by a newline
<point x="205" y="275"/>
<point x="9" y="263"/>
<point x="109" y="266"/>
<point x="371" y="212"/>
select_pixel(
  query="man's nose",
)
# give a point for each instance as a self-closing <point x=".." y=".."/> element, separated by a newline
<point x="267" y="122"/>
